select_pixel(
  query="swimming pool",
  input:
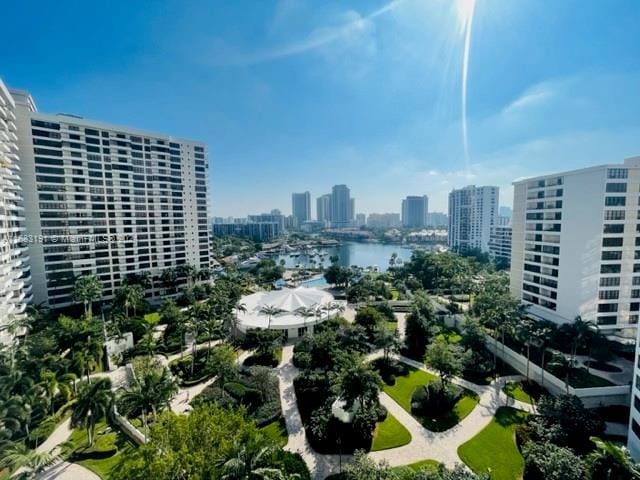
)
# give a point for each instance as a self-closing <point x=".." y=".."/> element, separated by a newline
<point x="314" y="282"/>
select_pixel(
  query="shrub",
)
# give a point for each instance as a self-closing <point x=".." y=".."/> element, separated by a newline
<point x="434" y="398"/>
<point x="292" y="463"/>
<point x="249" y="397"/>
<point x="390" y="369"/>
<point x="269" y="359"/>
<point x="302" y="359"/>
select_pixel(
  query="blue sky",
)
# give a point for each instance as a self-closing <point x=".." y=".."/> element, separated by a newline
<point x="295" y="95"/>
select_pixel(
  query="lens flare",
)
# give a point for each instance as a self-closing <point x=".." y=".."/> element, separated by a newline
<point x="465" y="10"/>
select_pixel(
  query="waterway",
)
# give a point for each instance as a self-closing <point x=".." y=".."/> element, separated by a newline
<point x="351" y="253"/>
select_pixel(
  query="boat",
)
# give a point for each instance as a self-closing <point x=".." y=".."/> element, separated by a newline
<point x="249" y="263"/>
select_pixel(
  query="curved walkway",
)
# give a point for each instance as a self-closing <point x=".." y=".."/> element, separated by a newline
<point x="439" y="446"/>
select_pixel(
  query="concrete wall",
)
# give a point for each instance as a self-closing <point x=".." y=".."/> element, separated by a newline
<point x="591" y="397"/>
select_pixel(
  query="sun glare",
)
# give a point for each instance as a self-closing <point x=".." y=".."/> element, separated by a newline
<point x="464" y="12"/>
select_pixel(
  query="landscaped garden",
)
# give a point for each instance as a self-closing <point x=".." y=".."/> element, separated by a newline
<point x="527" y="392"/>
<point x="493" y="450"/>
<point x="110" y="448"/>
<point x="434" y="417"/>
<point x="389" y="433"/>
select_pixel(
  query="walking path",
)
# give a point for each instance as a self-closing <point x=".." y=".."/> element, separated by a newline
<point x="439" y="446"/>
<point x="402" y="323"/>
<point x="180" y="403"/>
<point x="68" y="471"/>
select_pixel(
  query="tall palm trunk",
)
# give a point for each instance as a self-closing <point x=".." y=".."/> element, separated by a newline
<point x="528" y="356"/>
<point x="544" y="350"/>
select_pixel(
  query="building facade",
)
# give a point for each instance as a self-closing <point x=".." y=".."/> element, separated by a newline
<point x="107" y="200"/>
<point x="500" y="244"/>
<point x="15" y="274"/>
<point x="473" y="211"/>
<point x="323" y="208"/>
<point x="437" y="219"/>
<point x="383" y="220"/>
<point x="342" y="207"/>
<point x="301" y="207"/>
<point x="256" y="231"/>
<point x="576" y="246"/>
<point x="414" y="211"/>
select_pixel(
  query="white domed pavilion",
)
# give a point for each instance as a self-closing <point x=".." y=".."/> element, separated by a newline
<point x="288" y="307"/>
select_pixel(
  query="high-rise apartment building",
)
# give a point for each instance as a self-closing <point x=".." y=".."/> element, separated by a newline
<point x="323" y="208"/>
<point x="437" y="219"/>
<point x="301" y="207"/>
<point x="383" y="220"/>
<point x="473" y="212"/>
<point x="500" y="244"/>
<point x="576" y="246"/>
<point x="342" y="206"/>
<point x="15" y="275"/>
<point x="107" y="200"/>
<point x="414" y="211"/>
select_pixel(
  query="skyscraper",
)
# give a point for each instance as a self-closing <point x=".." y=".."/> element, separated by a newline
<point x="15" y="275"/>
<point x="414" y="211"/>
<point x="108" y="200"/>
<point x="473" y="211"/>
<point x="342" y="206"/>
<point x="323" y="208"/>
<point x="575" y="246"/>
<point x="301" y="207"/>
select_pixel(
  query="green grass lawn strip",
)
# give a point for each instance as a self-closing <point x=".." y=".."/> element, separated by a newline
<point x="494" y="449"/>
<point x="390" y="433"/>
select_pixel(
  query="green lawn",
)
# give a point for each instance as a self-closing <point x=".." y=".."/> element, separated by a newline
<point x="428" y="464"/>
<point x="494" y="449"/>
<point x="390" y="434"/>
<point x="515" y="390"/>
<point x="96" y="458"/>
<point x="277" y="431"/>
<point x="404" y="387"/>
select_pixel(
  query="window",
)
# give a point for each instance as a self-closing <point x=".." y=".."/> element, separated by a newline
<point x="615" y="201"/>
<point x="615" y="268"/>
<point x="616" y="187"/>
<point x="612" y="242"/>
<point x="608" y="295"/>
<point x="612" y="255"/>
<point x="608" y="308"/>
<point x="607" y="320"/>
<point x="617" y="173"/>
<point x="614" y="215"/>
<point x="610" y="281"/>
<point x="614" y="228"/>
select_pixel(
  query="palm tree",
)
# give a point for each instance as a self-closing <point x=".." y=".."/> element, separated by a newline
<point x="186" y="271"/>
<point x="525" y="330"/>
<point x="87" y="290"/>
<point x="31" y="462"/>
<point x="542" y="338"/>
<point x="50" y="384"/>
<point x="269" y="311"/>
<point x="248" y="460"/>
<point x="94" y="402"/>
<point x="579" y="331"/>
<point x="130" y="296"/>
<point x="168" y="279"/>
<point x="304" y="312"/>
<point x="151" y="394"/>
<point x="612" y="461"/>
<point x="239" y="308"/>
